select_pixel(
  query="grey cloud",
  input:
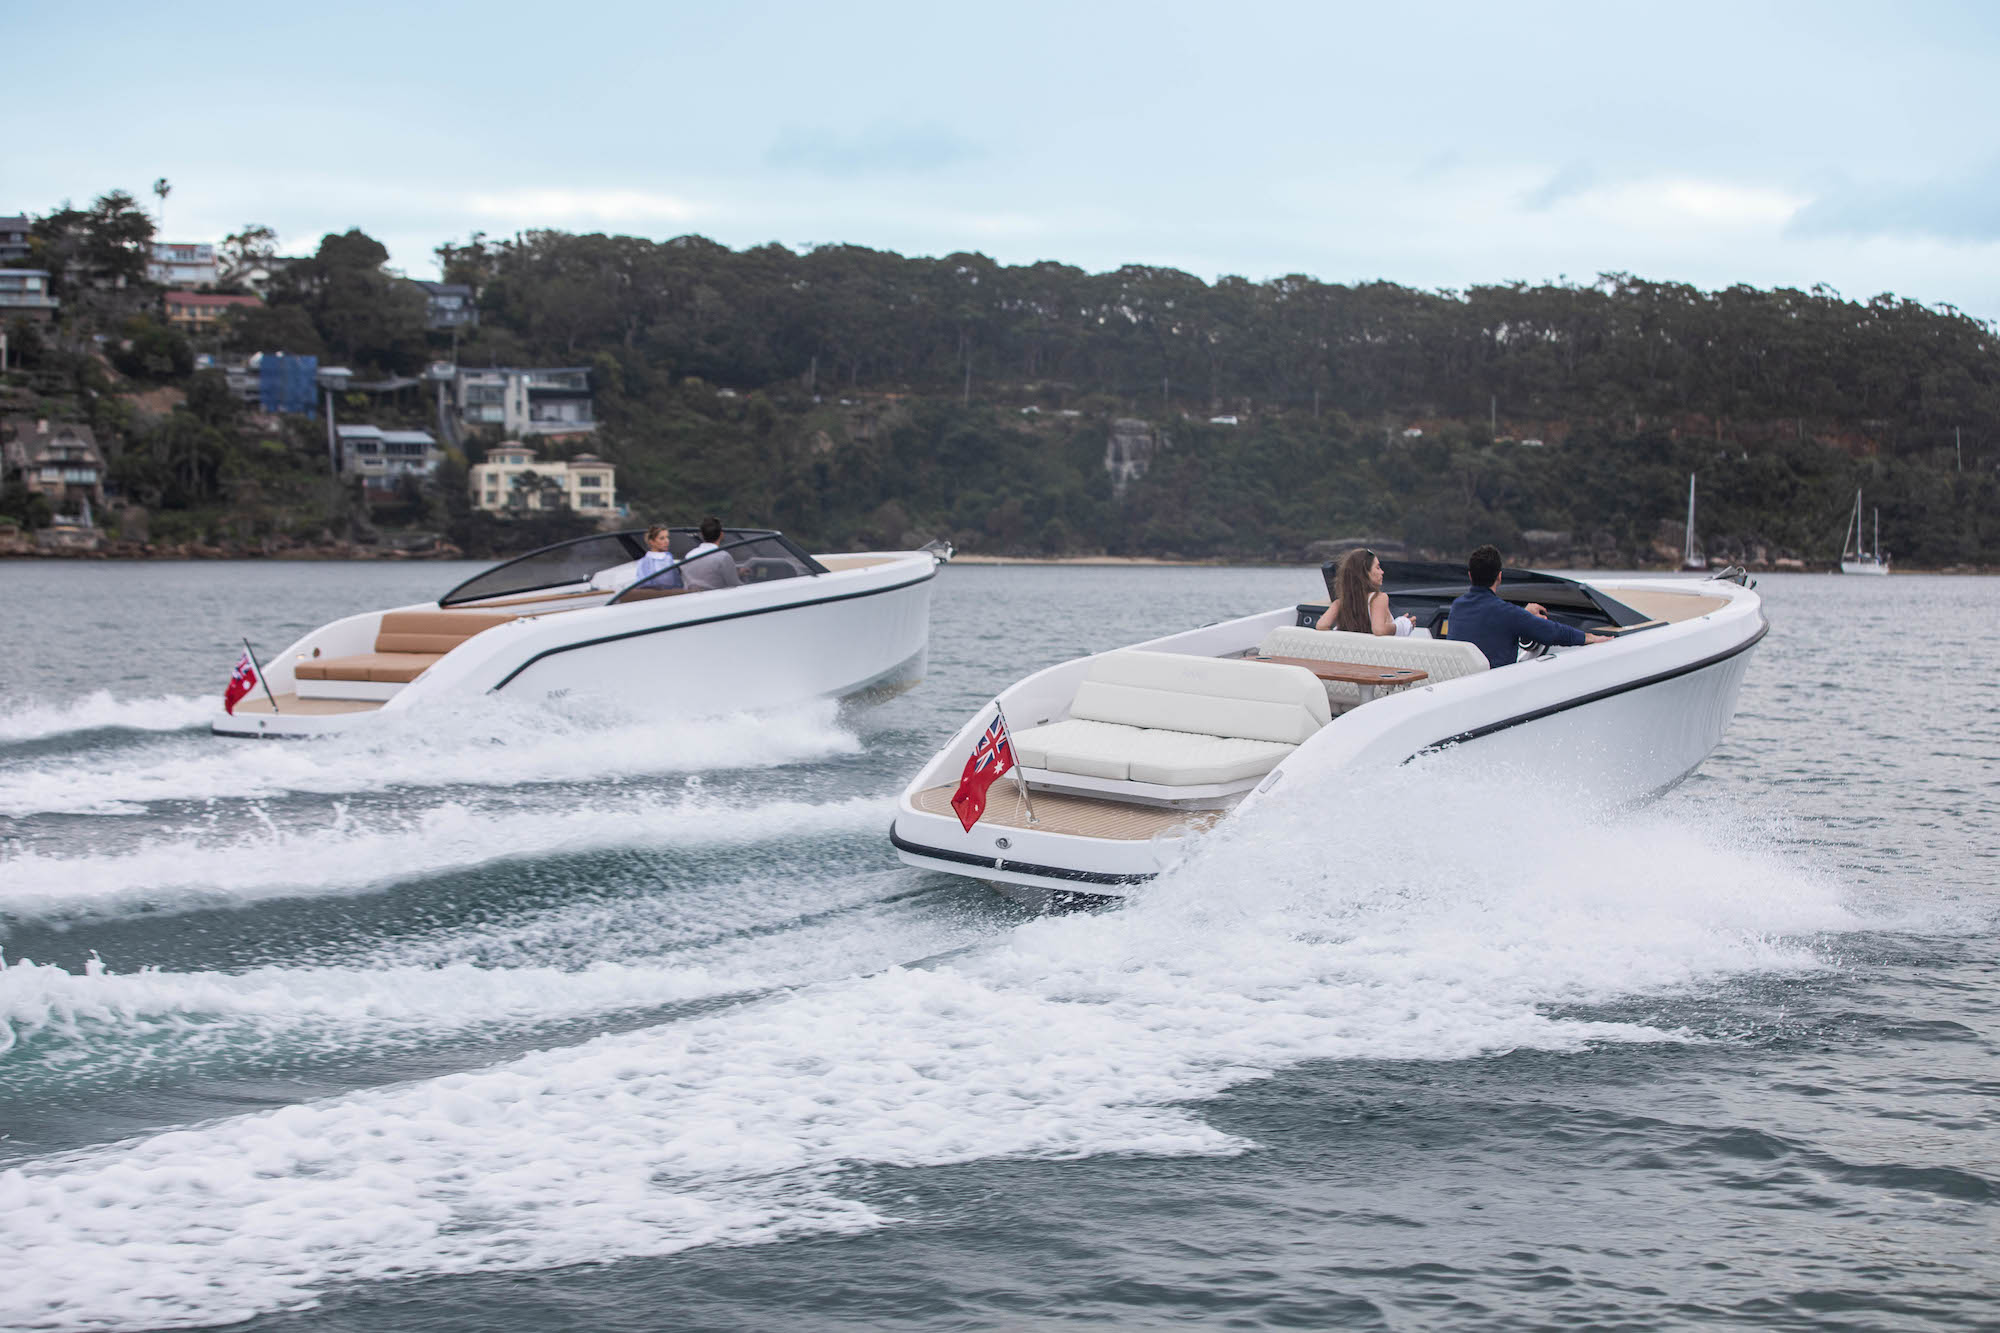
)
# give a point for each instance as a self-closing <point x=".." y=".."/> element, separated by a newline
<point x="1962" y="208"/>
<point x="1572" y="180"/>
<point x="882" y="148"/>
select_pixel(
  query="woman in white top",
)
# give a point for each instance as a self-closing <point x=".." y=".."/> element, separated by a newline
<point x="657" y="558"/>
<point x="1359" y="604"/>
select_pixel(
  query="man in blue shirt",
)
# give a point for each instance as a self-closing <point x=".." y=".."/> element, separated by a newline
<point x="1494" y="627"/>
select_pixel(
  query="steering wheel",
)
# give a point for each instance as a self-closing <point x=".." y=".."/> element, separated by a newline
<point x="1532" y="649"/>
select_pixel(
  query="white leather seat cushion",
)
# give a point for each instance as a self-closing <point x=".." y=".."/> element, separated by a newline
<point x="1176" y="759"/>
<point x="1203" y="695"/>
<point x="1094" y="749"/>
<point x="1142" y="754"/>
<point x="1442" y="658"/>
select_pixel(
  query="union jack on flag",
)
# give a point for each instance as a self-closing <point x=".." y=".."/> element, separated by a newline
<point x="241" y="682"/>
<point x="991" y="758"/>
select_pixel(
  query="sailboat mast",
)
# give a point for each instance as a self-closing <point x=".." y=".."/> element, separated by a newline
<point x="1688" y="557"/>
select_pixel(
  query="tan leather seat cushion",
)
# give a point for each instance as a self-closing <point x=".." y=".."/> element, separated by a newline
<point x="430" y="631"/>
<point x="390" y="668"/>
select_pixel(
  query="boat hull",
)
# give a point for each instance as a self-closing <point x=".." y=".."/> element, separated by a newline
<point x="1622" y="722"/>
<point x="855" y="633"/>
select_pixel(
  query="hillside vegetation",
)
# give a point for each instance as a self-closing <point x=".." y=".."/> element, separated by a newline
<point x="857" y="397"/>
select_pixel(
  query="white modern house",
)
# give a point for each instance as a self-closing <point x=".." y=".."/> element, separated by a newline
<point x="178" y="265"/>
<point x="543" y="401"/>
<point x="513" y="479"/>
<point x="381" y="458"/>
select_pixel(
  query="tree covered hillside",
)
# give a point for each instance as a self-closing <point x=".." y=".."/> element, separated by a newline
<point x="847" y="393"/>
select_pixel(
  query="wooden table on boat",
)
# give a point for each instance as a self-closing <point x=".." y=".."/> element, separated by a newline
<point x="1372" y="681"/>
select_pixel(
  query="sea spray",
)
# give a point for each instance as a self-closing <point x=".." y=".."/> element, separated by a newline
<point x="248" y="857"/>
<point x="497" y="743"/>
<point x="100" y="710"/>
<point x="1411" y="920"/>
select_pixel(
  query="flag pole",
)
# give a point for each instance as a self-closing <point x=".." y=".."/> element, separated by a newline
<point x="1020" y="782"/>
<point x="258" y="667"/>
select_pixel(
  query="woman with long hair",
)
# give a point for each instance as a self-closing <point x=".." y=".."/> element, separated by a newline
<point x="1359" y="604"/>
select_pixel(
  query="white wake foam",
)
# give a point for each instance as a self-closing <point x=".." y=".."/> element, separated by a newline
<point x="250" y="858"/>
<point x="29" y="720"/>
<point x="493" y="745"/>
<point x="1319" y="928"/>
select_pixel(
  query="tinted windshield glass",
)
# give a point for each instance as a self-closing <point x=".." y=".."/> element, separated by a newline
<point x="551" y="567"/>
<point x="759" y="559"/>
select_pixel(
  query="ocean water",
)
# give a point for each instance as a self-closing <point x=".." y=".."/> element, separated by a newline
<point x="527" y="1019"/>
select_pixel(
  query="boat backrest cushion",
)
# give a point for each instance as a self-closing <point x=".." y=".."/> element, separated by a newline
<point x="1442" y="658"/>
<point x="431" y="631"/>
<point x="1210" y="696"/>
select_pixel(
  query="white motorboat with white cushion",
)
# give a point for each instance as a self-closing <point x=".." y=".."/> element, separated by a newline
<point x="571" y="619"/>
<point x="1126" y="753"/>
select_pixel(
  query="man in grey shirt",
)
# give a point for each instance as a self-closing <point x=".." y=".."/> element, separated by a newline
<point x="702" y="569"/>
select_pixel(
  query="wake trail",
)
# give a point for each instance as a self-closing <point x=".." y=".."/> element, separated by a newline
<point x="498" y="745"/>
<point x="211" y="864"/>
<point x="1065" y="1037"/>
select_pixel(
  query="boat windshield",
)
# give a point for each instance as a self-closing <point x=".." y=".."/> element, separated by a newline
<point x="557" y="566"/>
<point x="760" y="558"/>
<point x="572" y="564"/>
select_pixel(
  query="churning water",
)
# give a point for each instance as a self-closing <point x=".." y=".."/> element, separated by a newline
<point x="520" y="1019"/>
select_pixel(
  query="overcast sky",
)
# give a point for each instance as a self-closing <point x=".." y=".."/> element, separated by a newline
<point x="1437" y="145"/>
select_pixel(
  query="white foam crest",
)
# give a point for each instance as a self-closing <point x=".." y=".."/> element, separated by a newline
<point x="30" y="720"/>
<point x="82" y="1025"/>
<point x="216" y="863"/>
<point x="347" y="1005"/>
<point x="494" y="745"/>
<point x="1310" y="931"/>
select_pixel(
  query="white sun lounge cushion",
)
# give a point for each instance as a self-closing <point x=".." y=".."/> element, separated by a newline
<point x="1206" y="696"/>
<point x="1442" y="658"/>
<point x="1143" y="754"/>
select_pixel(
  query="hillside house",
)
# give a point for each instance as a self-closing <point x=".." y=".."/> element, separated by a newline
<point x="382" y="458"/>
<point x="200" y="312"/>
<point x="521" y="402"/>
<point x="513" y="479"/>
<point x="24" y="294"/>
<point x="57" y="460"/>
<point x="178" y="265"/>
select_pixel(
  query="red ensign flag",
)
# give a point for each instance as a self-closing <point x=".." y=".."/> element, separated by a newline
<point x="241" y="683"/>
<point x="992" y="757"/>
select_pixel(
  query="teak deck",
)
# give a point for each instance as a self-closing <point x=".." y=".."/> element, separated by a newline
<point x="1061" y="812"/>
<point x="291" y="703"/>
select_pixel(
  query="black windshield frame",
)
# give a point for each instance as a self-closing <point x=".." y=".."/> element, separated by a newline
<point x="632" y="541"/>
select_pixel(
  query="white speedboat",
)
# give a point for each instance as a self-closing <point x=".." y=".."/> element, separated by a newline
<point x="1125" y="754"/>
<point x="571" y="619"/>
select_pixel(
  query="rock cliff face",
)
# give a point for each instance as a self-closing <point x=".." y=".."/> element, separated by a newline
<point x="1129" y="450"/>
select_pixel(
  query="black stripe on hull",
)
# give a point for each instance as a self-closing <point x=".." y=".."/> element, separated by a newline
<point x="708" y="620"/>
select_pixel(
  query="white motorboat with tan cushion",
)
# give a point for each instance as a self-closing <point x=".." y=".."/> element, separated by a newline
<point x="574" y="620"/>
<point x="1169" y="720"/>
<point x="1441" y="658"/>
<point x="1126" y="755"/>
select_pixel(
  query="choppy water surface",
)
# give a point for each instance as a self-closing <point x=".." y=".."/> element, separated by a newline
<point x="519" y="1019"/>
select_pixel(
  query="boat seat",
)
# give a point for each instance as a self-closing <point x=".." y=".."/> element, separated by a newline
<point x="1441" y="658"/>
<point x="388" y="668"/>
<point x="406" y="644"/>
<point x="432" y="631"/>
<point x="1176" y="720"/>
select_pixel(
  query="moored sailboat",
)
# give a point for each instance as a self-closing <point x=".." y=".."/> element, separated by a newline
<point x="1862" y="561"/>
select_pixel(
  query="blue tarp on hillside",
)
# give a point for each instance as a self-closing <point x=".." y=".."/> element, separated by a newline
<point x="288" y="383"/>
